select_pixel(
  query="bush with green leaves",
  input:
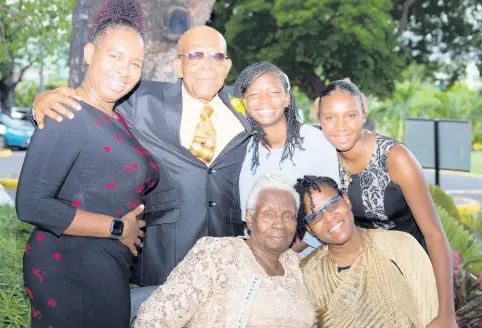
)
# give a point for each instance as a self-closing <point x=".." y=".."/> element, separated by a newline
<point x="25" y="92"/>
<point x="14" y="303"/>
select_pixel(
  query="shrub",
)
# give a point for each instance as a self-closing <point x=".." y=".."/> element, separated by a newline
<point x="14" y="303"/>
<point x="461" y="241"/>
<point x="467" y="296"/>
<point x="444" y="200"/>
<point x="25" y="92"/>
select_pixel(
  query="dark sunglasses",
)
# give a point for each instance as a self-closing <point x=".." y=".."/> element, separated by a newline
<point x="330" y="206"/>
<point x="196" y="57"/>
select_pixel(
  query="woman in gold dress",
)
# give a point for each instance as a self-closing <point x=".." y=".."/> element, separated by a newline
<point x="362" y="278"/>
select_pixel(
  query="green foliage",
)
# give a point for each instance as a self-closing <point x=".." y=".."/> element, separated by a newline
<point x="311" y="39"/>
<point x="467" y="299"/>
<point x="476" y="162"/>
<point x="33" y="32"/>
<point x="439" y="29"/>
<point x="463" y="231"/>
<point x="462" y="241"/>
<point x="472" y="222"/>
<point x="304" y="104"/>
<point x="417" y="96"/>
<point x="444" y="200"/>
<point x="315" y="41"/>
<point x="14" y="303"/>
<point x="31" y="26"/>
<point x="25" y="92"/>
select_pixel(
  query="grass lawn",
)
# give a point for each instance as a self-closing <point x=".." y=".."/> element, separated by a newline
<point x="476" y="162"/>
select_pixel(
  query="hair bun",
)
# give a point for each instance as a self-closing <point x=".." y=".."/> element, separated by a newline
<point x="129" y="10"/>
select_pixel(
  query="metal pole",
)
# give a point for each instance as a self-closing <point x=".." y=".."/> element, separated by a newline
<point x="437" y="152"/>
<point x="80" y="57"/>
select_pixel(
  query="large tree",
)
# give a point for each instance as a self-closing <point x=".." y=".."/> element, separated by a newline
<point x="165" y="21"/>
<point x="442" y="35"/>
<point x="31" y="32"/>
<point x="370" y="41"/>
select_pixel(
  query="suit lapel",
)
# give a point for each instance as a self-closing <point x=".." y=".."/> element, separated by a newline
<point x="224" y="96"/>
<point x="173" y="111"/>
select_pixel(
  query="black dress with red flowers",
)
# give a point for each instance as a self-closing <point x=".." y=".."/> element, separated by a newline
<point x="92" y="163"/>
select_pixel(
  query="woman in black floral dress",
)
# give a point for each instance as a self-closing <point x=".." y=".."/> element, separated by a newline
<point x="83" y="184"/>
<point x="385" y="184"/>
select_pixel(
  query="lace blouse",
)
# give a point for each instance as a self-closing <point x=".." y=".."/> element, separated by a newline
<point x="220" y="284"/>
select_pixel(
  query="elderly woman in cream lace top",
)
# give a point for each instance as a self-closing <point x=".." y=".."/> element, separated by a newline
<point x="237" y="282"/>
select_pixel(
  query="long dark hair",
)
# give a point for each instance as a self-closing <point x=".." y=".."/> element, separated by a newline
<point x="293" y="138"/>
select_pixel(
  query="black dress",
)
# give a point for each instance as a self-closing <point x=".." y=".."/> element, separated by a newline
<point x="376" y="201"/>
<point x="92" y="163"/>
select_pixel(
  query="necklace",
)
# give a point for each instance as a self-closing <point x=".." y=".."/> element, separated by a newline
<point x="348" y="174"/>
<point x="102" y="109"/>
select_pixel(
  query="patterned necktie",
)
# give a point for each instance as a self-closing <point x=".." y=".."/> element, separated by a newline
<point x="204" y="141"/>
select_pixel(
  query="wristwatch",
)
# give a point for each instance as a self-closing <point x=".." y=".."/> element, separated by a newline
<point x="116" y="228"/>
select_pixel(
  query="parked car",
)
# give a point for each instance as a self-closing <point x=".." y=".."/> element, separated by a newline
<point x="20" y="113"/>
<point x="3" y="130"/>
<point x="17" y="132"/>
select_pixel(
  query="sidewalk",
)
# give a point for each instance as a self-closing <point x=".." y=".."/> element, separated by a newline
<point x="5" y="198"/>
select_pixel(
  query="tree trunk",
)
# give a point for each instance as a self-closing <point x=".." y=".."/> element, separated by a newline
<point x="6" y="96"/>
<point x="311" y="85"/>
<point x="165" y="21"/>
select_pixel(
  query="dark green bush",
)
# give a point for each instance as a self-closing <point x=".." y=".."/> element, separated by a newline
<point x="25" y="92"/>
<point x="14" y="303"/>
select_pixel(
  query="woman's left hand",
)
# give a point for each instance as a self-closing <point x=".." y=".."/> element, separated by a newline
<point x="443" y="322"/>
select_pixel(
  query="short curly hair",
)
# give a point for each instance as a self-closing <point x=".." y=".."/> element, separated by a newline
<point x="274" y="181"/>
<point x="117" y="14"/>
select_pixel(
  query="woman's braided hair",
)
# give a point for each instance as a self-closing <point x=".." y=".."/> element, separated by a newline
<point x="345" y="86"/>
<point x="304" y="186"/>
<point x="116" y="14"/>
<point x="293" y="138"/>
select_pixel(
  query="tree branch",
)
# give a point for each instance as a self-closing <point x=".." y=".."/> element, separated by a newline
<point x="4" y="40"/>
<point x="20" y="76"/>
<point x="403" y="22"/>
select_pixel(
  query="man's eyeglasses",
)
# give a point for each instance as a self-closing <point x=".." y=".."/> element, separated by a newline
<point x="331" y="205"/>
<point x="196" y="57"/>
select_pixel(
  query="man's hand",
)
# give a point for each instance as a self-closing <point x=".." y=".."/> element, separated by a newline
<point x="132" y="234"/>
<point x="50" y="103"/>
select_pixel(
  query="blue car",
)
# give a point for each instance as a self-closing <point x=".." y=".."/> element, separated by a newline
<point x="14" y="133"/>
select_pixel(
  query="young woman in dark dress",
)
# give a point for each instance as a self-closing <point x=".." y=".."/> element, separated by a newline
<point x="83" y="184"/>
<point x="385" y="184"/>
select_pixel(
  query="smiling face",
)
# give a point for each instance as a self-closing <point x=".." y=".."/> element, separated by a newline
<point x="336" y="227"/>
<point x="115" y="63"/>
<point x="342" y="119"/>
<point x="273" y="222"/>
<point x="203" y="79"/>
<point x="266" y="99"/>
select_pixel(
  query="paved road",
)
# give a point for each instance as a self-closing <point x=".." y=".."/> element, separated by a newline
<point x="457" y="183"/>
<point x="10" y="167"/>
